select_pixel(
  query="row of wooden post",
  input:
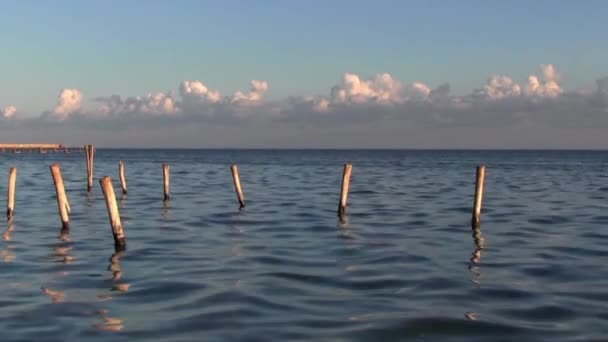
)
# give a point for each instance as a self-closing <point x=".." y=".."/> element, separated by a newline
<point x="112" y="207"/>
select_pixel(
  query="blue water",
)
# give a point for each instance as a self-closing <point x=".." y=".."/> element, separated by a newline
<point x="404" y="264"/>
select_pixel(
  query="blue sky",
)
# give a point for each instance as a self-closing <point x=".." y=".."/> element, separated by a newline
<point x="133" y="48"/>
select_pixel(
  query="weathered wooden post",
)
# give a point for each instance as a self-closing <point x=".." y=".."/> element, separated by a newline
<point x="62" y="199"/>
<point x="348" y="168"/>
<point x="90" y="150"/>
<point x="121" y="175"/>
<point x="117" y="231"/>
<point x="166" y="179"/>
<point x="237" y="185"/>
<point x="12" y="178"/>
<point x="481" y="174"/>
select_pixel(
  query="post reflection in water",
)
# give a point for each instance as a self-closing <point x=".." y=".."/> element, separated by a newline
<point x="63" y="252"/>
<point x="109" y="323"/>
<point x="476" y="255"/>
<point x="6" y="236"/>
<point x="473" y="264"/>
<point x="7" y="254"/>
<point x="122" y="201"/>
<point x="344" y="224"/>
<point x="113" y="323"/>
<point x="166" y="213"/>
<point x="64" y="234"/>
<point x="116" y="270"/>
<point x="55" y="295"/>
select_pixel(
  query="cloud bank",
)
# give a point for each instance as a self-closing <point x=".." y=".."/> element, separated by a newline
<point x="501" y="103"/>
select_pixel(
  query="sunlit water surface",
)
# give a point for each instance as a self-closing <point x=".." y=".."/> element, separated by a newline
<point x="404" y="263"/>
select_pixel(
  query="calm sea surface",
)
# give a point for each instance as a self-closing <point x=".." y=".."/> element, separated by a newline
<point x="403" y="265"/>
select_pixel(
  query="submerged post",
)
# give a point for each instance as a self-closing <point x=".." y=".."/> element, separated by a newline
<point x="121" y="175"/>
<point x="108" y="193"/>
<point x="12" y="178"/>
<point x="62" y="199"/>
<point x="166" y="179"/>
<point x="90" y="150"/>
<point x="481" y="174"/>
<point x="348" y="168"/>
<point x="237" y="185"/>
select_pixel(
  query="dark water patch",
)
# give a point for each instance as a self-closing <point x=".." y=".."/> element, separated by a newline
<point x="440" y="327"/>
<point x="549" y="220"/>
<point x="547" y="313"/>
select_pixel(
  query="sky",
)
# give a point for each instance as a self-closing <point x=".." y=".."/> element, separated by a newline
<point x="305" y="74"/>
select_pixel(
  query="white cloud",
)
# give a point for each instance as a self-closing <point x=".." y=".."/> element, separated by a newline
<point x="154" y="104"/>
<point x="258" y="89"/>
<point x="197" y="91"/>
<point x="499" y="87"/>
<point x="418" y="91"/>
<point x="547" y="86"/>
<point x="9" y="111"/>
<point x="382" y="88"/>
<point x="69" y="101"/>
<point x="356" y="99"/>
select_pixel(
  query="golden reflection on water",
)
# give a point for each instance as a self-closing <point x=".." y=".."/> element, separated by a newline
<point x="471" y="316"/>
<point x="109" y="323"/>
<point x="56" y="296"/>
<point x="63" y="252"/>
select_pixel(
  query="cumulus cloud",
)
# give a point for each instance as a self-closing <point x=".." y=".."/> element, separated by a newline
<point x="545" y="86"/>
<point x="500" y="87"/>
<point x="356" y="99"/>
<point x="258" y="89"/>
<point x="197" y="92"/>
<point x="9" y="112"/>
<point x="382" y="88"/>
<point x="69" y="101"/>
<point x="153" y="104"/>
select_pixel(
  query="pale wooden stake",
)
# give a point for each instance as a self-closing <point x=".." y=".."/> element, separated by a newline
<point x="62" y="199"/>
<point x="237" y="185"/>
<point x="166" y="179"/>
<point x="12" y="178"/>
<point x="121" y="174"/>
<point x="108" y="193"/>
<point x="90" y="149"/>
<point x="348" y="168"/>
<point x="481" y="174"/>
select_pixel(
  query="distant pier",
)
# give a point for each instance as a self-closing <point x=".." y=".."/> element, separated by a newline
<point x="37" y="148"/>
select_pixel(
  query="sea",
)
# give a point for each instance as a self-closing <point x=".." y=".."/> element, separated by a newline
<point x="402" y="264"/>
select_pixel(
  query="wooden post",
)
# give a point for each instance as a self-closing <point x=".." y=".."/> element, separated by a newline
<point x="348" y="168"/>
<point x="237" y="185"/>
<point x="12" y="178"/>
<point x="121" y="175"/>
<point x="166" y="179"/>
<point x="62" y="199"/>
<point x="481" y="174"/>
<point x="90" y="149"/>
<point x="108" y="193"/>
